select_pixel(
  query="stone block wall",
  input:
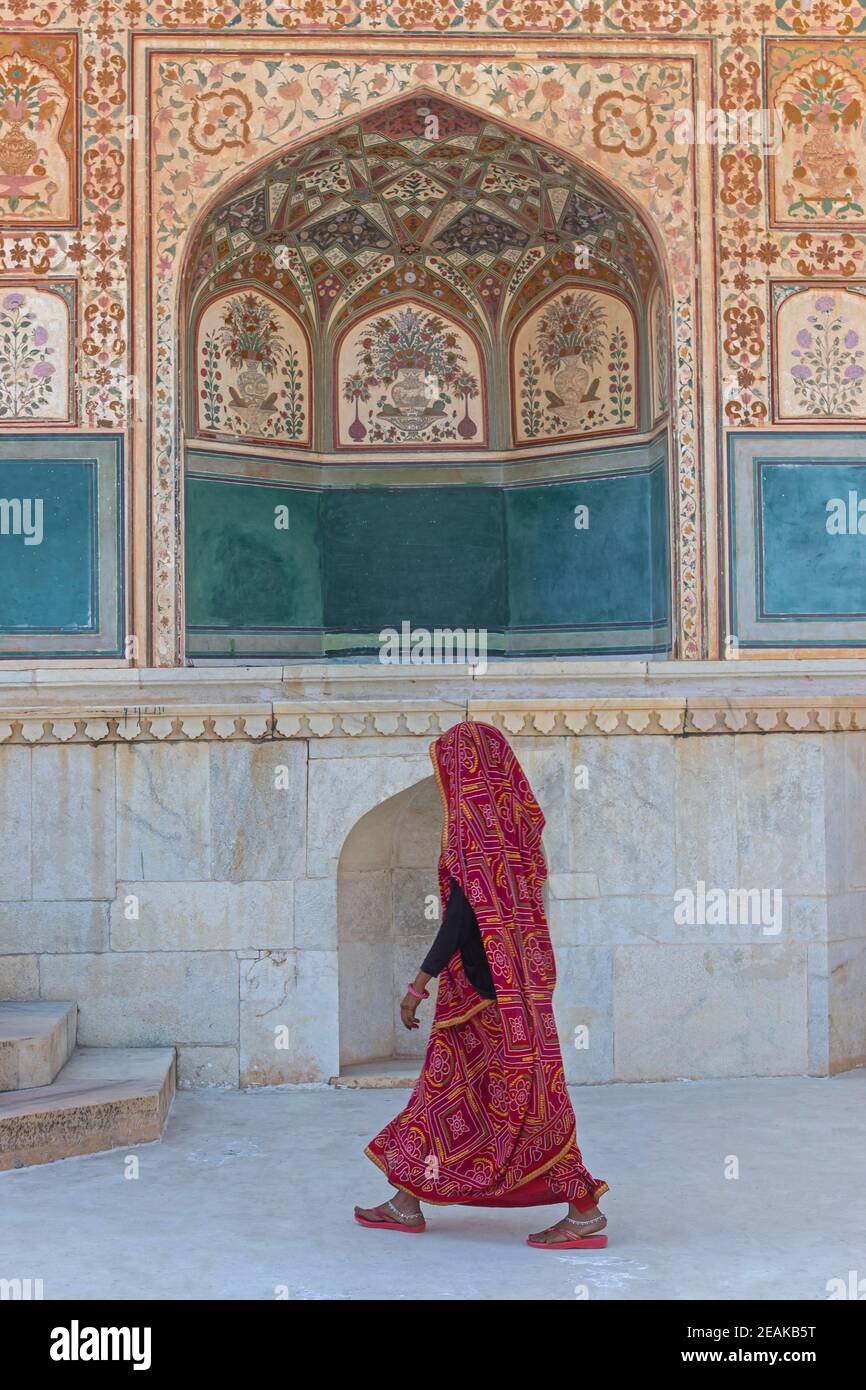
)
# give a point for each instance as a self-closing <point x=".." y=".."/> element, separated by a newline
<point x="184" y="890"/>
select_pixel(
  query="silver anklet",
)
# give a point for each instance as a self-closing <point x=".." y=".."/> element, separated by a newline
<point x="573" y="1221"/>
<point x="404" y="1215"/>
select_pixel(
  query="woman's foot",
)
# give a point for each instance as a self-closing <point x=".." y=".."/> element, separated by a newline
<point x="577" y="1225"/>
<point x="400" y="1210"/>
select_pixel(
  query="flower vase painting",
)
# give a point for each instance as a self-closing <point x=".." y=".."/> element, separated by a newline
<point x="818" y="171"/>
<point x="37" y="131"/>
<point x="821" y="337"/>
<point x="253" y="370"/>
<point x="409" y="377"/>
<point x="576" y="371"/>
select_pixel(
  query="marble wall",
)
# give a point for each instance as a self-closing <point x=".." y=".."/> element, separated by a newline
<point x="186" y="893"/>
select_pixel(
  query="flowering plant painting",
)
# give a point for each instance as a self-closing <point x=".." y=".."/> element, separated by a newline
<point x="26" y="371"/>
<point x="416" y="359"/>
<point x="411" y="340"/>
<point x="252" y="379"/>
<point x="828" y="370"/>
<point x="250" y="333"/>
<point x="572" y="326"/>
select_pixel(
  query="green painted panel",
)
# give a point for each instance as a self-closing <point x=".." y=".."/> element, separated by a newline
<point x="804" y="569"/>
<point x="434" y="557"/>
<point x="241" y="570"/>
<point x="360" y="559"/>
<point x="660" y="559"/>
<point x="610" y="574"/>
<point x="49" y="583"/>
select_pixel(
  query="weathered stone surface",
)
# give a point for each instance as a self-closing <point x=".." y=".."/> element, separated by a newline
<point x="36" y="1040"/>
<point x="103" y="1098"/>
<point x="295" y="990"/>
<point x="217" y="858"/>
<point x="780" y="813"/>
<point x="706" y="838"/>
<point x="73" y="822"/>
<point x="549" y="765"/>
<point x="163" y="811"/>
<point x="818" y="1007"/>
<point x="206" y="1066"/>
<point x="846" y="962"/>
<point x="54" y="926"/>
<point x="414" y="890"/>
<point x="19" y="977"/>
<point x="622" y="827"/>
<point x="758" y="918"/>
<point x="366" y="997"/>
<point x="699" y="1011"/>
<point x="257" y="810"/>
<point x="316" y="913"/>
<point x="15" y="876"/>
<point x="146" y="999"/>
<point x="201" y="916"/>
<point x="572" y="886"/>
<point x="340" y="791"/>
<point x="365" y="906"/>
<point x="583" y="1005"/>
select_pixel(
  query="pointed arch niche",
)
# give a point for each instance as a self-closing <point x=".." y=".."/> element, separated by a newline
<point x="425" y="380"/>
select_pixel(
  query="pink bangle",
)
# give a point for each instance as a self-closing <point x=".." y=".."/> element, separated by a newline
<point x="413" y="991"/>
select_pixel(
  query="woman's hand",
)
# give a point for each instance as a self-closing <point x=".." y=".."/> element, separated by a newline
<point x="408" y="1006"/>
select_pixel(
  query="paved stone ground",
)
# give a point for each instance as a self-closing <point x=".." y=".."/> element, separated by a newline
<point x="251" y="1192"/>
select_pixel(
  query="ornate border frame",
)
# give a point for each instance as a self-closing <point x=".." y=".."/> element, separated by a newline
<point x="415" y="67"/>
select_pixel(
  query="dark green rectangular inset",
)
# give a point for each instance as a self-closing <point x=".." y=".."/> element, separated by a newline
<point x="244" y="569"/>
<point x="49" y="584"/>
<point x="605" y="567"/>
<point x="434" y="557"/>
<point x="803" y="569"/>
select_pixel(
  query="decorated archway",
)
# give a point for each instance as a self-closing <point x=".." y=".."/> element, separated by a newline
<point x="620" y="245"/>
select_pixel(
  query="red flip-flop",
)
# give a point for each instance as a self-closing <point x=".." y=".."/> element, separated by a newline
<point x="579" y="1243"/>
<point x="596" y="1242"/>
<point x="414" y="1230"/>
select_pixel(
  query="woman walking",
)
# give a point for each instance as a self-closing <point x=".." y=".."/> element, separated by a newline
<point x="489" y="1122"/>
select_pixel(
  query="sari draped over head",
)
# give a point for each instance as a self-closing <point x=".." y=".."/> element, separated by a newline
<point x="489" y="1121"/>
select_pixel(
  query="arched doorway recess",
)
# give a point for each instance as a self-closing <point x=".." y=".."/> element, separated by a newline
<point x="426" y="381"/>
<point x="387" y="915"/>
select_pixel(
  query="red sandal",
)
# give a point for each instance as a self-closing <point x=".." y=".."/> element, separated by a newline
<point x="596" y="1242"/>
<point x="400" y="1224"/>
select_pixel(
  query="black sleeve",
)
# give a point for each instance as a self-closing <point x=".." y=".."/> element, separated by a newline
<point x="450" y="935"/>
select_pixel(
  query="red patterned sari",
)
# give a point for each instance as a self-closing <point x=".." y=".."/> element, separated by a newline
<point x="489" y="1122"/>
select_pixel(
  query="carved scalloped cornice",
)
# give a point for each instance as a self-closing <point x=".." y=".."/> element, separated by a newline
<point x="264" y="721"/>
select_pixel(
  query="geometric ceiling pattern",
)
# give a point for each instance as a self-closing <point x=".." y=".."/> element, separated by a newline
<point x="428" y="198"/>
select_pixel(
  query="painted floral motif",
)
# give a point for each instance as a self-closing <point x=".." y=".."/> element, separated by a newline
<point x="820" y="172"/>
<point x="220" y="122"/>
<point x="295" y="95"/>
<point x="619" y="386"/>
<point x="417" y="363"/>
<point x="252" y="375"/>
<point x="575" y="367"/>
<point x="34" y="356"/>
<point x="826" y="358"/>
<point x="25" y="366"/>
<point x="624" y="122"/>
<point x="660" y="345"/>
<point x="36" y="139"/>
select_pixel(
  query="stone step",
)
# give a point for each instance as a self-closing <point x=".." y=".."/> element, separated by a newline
<point x="104" y="1098"/>
<point x="37" y="1038"/>
<point x="385" y="1074"/>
